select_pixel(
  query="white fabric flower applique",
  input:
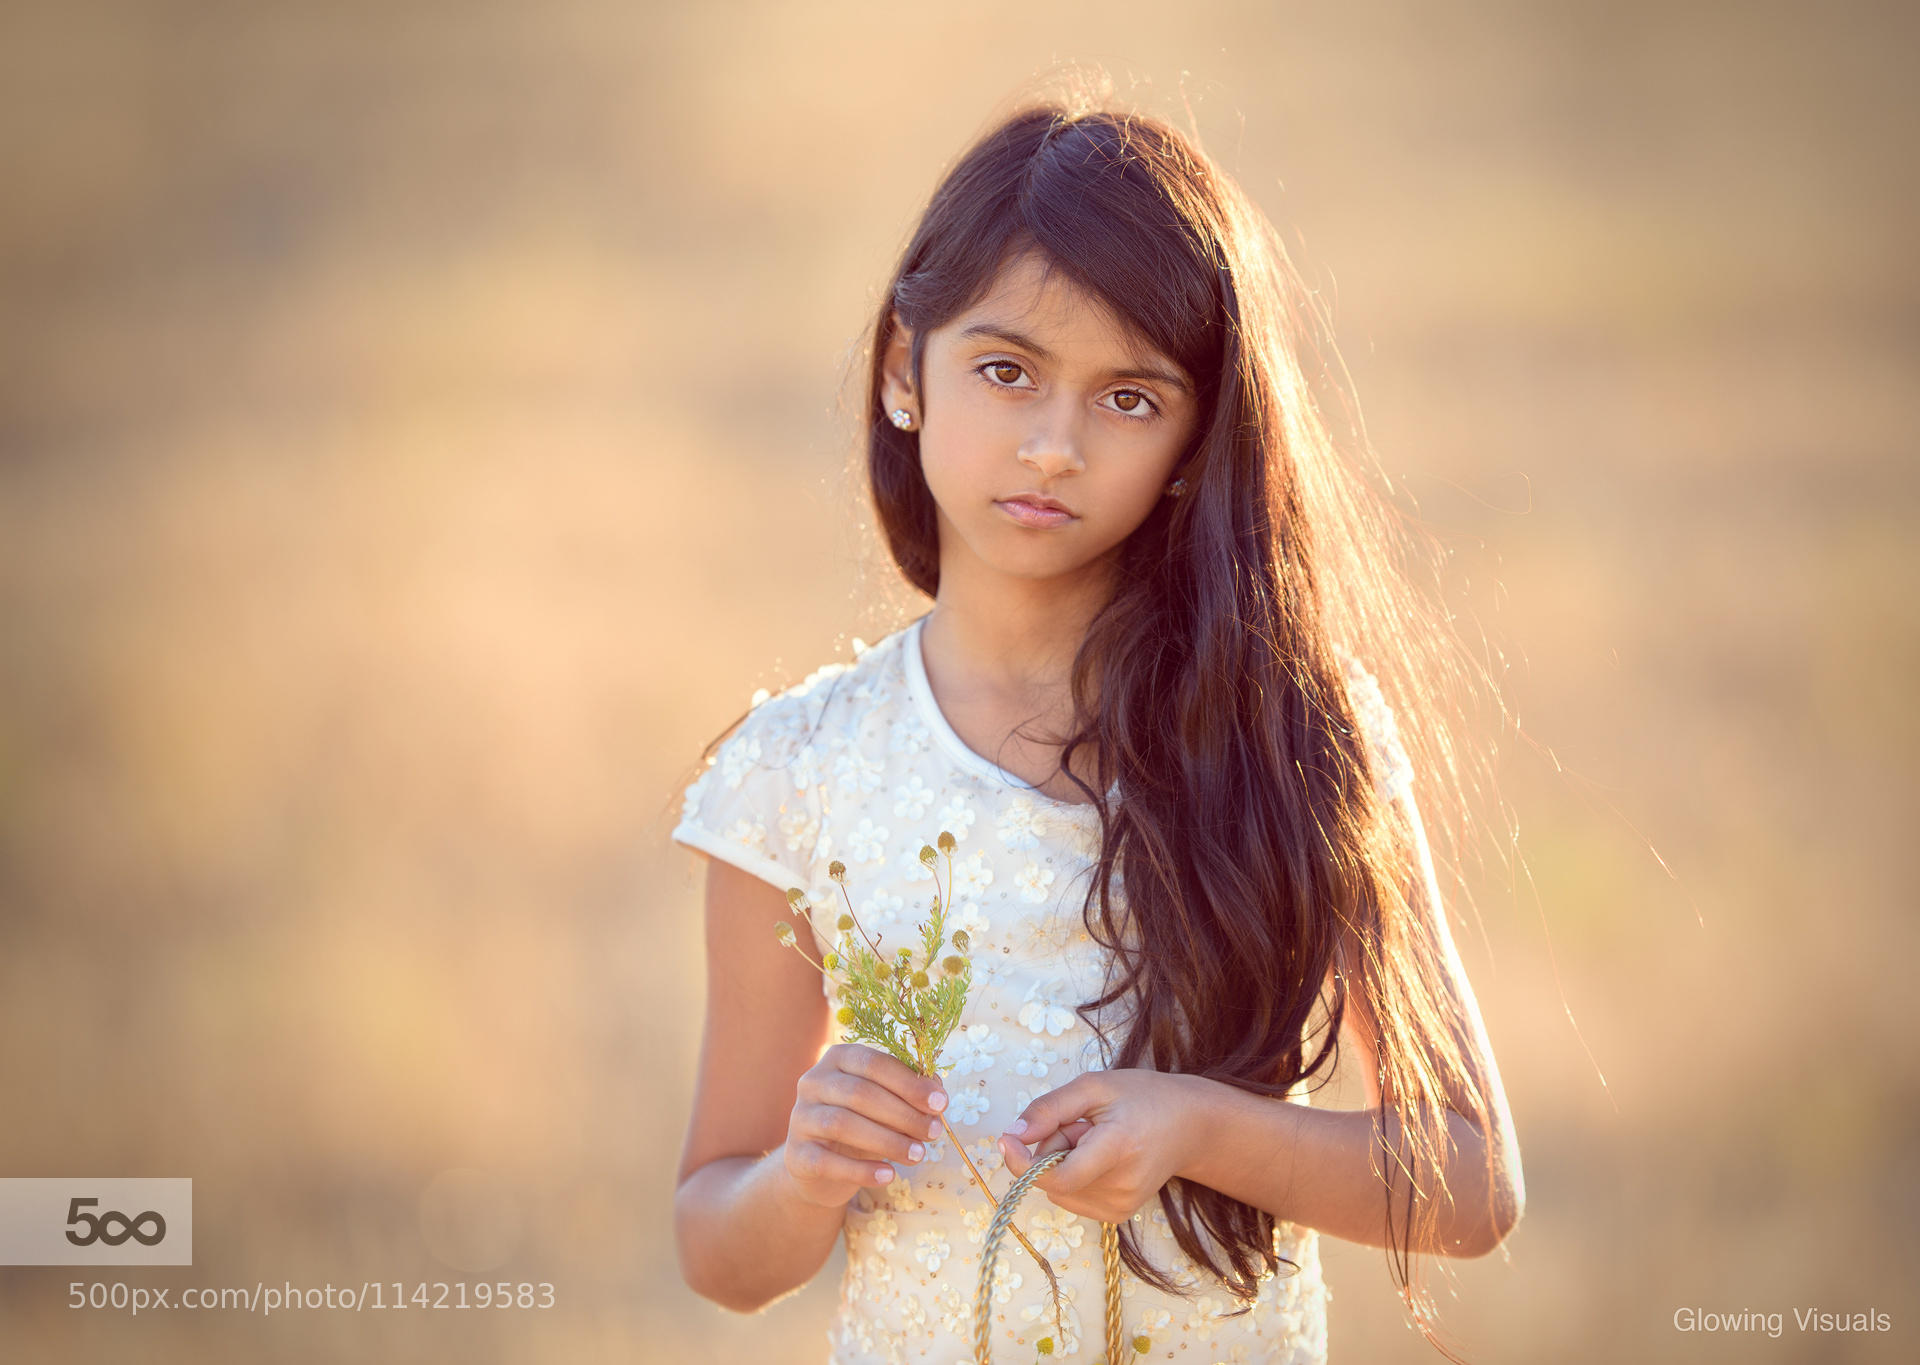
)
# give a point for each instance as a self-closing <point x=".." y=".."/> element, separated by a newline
<point x="738" y="757"/>
<point x="867" y="843"/>
<point x="912" y="797"/>
<point x="1034" y="883"/>
<point x="1151" y="1321"/>
<point x="1054" y="1231"/>
<point x="855" y="772"/>
<point x="1022" y="824"/>
<point x="955" y="1310"/>
<point x="883" y="909"/>
<point x="967" y="1104"/>
<point x="808" y="767"/>
<point x="799" y="830"/>
<point x="913" y="1319"/>
<point x="1005" y="1280"/>
<point x="956" y="818"/>
<point x="881" y="1226"/>
<point x="1046" y="1008"/>
<point x="1035" y="1058"/>
<point x="969" y="1050"/>
<point x="978" y="1218"/>
<point x="747" y="832"/>
<point x="932" y="1251"/>
<point x="985" y="1154"/>
<point x="971" y="877"/>
<point x="908" y="735"/>
<point x="1204" y="1320"/>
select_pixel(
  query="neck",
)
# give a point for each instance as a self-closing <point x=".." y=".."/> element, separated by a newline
<point x="1017" y="641"/>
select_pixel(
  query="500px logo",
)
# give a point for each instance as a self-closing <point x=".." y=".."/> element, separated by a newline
<point x="85" y="1220"/>
<point x="99" y="1231"/>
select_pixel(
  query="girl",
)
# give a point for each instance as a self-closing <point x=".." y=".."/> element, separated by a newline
<point x="1188" y="855"/>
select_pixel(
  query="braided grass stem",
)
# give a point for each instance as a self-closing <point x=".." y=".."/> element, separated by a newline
<point x="1053" y="1280"/>
<point x="1117" y="1353"/>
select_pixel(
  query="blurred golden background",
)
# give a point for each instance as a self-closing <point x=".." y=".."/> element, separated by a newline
<point x="421" y="431"/>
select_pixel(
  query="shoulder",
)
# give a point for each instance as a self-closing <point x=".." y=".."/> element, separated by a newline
<point x="761" y="800"/>
<point x="826" y="711"/>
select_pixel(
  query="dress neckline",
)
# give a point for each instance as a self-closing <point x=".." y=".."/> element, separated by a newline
<point x="949" y="738"/>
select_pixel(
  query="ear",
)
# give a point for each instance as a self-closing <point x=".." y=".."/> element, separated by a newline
<point x="896" y="374"/>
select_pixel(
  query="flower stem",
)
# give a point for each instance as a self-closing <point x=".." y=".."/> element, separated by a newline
<point x="871" y="942"/>
<point x="1053" y="1280"/>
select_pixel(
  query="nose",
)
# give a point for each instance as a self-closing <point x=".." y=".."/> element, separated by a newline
<point x="1052" y="445"/>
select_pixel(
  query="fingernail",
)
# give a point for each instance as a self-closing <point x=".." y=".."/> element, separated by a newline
<point x="915" y="1152"/>
<point x="938" y="1103"/>
<point x="933" y="1129"/>
<point x="1018" y="1130"/>
<point x="884" y="1174"/>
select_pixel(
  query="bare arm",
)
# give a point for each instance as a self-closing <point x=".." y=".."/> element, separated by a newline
<point x="1322" y="1168"/>
<point x="744" y="1235"/>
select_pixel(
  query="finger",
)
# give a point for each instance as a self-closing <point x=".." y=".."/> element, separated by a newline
<point x="923" y="1092"/>
<point x="856" y="1134"/>
<point x="814" y="1161"/>
<point x="1055" y="1142"/>
<point x="1079" y="1098"/>
<point x="1018" y="1158"/>
<point x="876" y="1102"/>
<point x="1096" y="1157"/>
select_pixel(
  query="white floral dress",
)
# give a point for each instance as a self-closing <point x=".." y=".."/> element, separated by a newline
<point x="857" y="763"/>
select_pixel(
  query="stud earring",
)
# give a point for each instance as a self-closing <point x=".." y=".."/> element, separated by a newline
<point x="901" y="418"/>
<point x="1176" y="488"/>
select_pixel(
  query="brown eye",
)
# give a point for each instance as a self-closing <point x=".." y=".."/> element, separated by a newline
<point x="1005" y="371"/>
<point x="1131" y="397"/>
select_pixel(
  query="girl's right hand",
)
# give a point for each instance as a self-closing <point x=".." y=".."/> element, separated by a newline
<point x="856" y="1108"/>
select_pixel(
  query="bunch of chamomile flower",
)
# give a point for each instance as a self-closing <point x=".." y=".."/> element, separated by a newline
<point x="903" y="1003"/>
<point x="900" y="1003"/>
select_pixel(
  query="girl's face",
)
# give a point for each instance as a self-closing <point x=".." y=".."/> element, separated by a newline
<point x="1039" y="389"/>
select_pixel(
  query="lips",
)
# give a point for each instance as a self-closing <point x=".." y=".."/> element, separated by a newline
<point x="1034" y="512"/>
<point x="1041" y="501"/>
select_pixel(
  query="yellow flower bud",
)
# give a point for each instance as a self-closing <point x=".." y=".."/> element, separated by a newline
<point x="844" y="1014"/>
<point x="946" y="842"/>
<point x="844" y="922"/>
<point x="905" y="953"/>
<point x="920" y="981"/>
<point x="953" y="964"/>
<point x="881" y="969"/>
<point x="960" y="940"/>
<point x="1044" y="1346"/>
<point x="927" y="855"/>
<point x="784" y="932"/>
<point x="1142" y="1344"/>
<point x="837" y="870"/>
<point x="830" y="961"/>
<point x="796" y="897"/>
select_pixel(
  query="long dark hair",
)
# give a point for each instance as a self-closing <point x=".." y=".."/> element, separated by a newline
<point x="1255" y="851"/>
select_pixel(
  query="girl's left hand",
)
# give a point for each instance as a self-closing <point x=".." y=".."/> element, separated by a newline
<point x="1130" y="1131"/>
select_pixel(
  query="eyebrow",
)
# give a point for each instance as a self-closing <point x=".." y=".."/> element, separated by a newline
<point x="1008" y="335"/>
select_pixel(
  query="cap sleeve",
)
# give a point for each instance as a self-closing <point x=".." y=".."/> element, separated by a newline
<point x="758" y="805"/>
<point x="1393" y="770"/>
